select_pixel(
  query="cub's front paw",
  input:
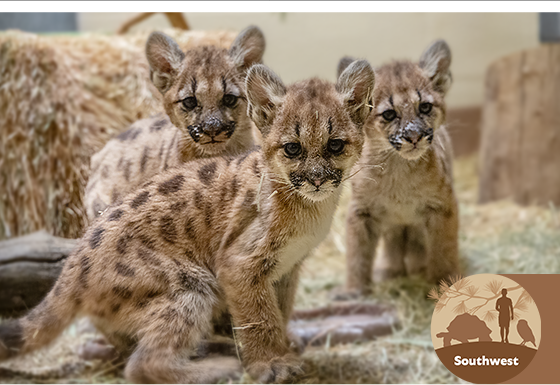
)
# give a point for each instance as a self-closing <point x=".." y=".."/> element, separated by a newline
<point x="278" y="370"/>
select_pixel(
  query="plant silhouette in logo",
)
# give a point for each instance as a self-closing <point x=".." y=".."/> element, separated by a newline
<point x="465" y="297"/>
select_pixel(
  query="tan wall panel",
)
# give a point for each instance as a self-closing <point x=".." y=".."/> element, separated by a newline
<point x="301" y="45"/>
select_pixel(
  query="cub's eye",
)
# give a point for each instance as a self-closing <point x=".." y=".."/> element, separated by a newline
<point x="229" y="100"/>
<point x="425" y="108"/>
<point x="292" y="149"/>
<point x="389" y="115"/>
<point x="190" y="102"/>
<point x="336" y="146"/>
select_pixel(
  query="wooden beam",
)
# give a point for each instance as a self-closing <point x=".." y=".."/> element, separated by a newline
<point x="176" y="19"/>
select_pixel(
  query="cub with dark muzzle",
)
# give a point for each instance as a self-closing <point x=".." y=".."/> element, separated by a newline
<point x="402" y="191"/>
<point x="413" y="136"/>
<point x="409" y="106"/>
<point x="214" y="129"/>
<point x="203" y="92"/>
<point x="203" y="95"/>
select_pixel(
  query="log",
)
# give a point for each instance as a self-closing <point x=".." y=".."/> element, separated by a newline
<point x="29" y="267"/>
<point x="520" y="133"/>
<point x="343" y="323"/>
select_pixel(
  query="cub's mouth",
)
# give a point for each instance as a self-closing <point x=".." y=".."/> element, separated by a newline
<point x="412" y="144"/>
<point x="211" y="133"/>
<point x="317" y="194"/>
<point x="211" y="141"/>
<point x="412" y="152"/>
<point x="317" y="187"/>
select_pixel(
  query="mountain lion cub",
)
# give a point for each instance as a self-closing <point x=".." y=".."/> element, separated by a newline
<point x="221" y="232"/>
<point x="403" y="192"/>
<point x="204" y="99"/>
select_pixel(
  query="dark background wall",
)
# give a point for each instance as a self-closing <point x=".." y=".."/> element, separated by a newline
<point x="39" y="21"/>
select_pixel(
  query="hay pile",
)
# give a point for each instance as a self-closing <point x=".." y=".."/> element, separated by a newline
<point x="61" y="99"/>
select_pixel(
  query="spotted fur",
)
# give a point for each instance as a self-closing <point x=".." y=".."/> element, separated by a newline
<point x="402" y="191"/>
<point x="210" y="75"/>
<point x="152" y="277"/>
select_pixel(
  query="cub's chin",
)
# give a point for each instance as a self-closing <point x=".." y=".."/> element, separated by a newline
<point x="212" y="148"/>
<point x="409" y="152"/>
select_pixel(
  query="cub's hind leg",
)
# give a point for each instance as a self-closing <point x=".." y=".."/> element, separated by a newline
<point x="110" y="346"/>
<point x="443" y="248"/>
<point x="169" y="334"/>
<point x="362" y="235"/>
<point x="416" y="253"/>
<point x="392" y="254"/>
<point x="166" y="365"/>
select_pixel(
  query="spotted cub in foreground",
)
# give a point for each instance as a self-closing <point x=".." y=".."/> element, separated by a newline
<point x="403" y="191"/>
<point x="223" y="232"/>
<point x="206" y="115"/>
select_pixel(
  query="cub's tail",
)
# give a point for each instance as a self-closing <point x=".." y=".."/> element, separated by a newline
<point x="43" y="324"/>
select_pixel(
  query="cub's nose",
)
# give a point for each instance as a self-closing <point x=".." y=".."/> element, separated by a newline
<point x="212" y="126"/>
<point x="317" y="182"/>
<point x="317" y="177"/>
<point x="414" y="136"/>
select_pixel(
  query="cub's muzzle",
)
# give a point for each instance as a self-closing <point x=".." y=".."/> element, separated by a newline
<point x="212" y="130"/>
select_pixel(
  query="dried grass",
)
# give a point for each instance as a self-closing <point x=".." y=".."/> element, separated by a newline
<point x="61" y="99"/>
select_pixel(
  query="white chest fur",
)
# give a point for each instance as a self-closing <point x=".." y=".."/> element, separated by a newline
<point x="399" y="192"/>
<point x="310" y="236"/>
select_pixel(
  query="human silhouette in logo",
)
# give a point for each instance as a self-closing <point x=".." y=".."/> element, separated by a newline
<point x="505" y="308"/>
<point x="525" y="332"/>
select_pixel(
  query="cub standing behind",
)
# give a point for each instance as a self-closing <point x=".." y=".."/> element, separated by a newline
<point x="154" y="269"/>
<point x="403" y="190"/>
<point x="204" y="98"/>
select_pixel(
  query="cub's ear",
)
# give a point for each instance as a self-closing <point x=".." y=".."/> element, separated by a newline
<point x="164" y="57"/>
<point x="355" y="84"/>
<point x="343" y="64"/>
<point x="248" y="48"/>
<point x="265" y="94"/>
<point x="435" y="61"/>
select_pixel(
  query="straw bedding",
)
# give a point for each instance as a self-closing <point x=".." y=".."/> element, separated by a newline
<point x="61" y="99"/>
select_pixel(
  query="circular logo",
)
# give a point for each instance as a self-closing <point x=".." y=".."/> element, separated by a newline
<point x="486" y="328"/>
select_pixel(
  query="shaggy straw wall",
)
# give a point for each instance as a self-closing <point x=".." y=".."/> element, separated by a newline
<point x="61" y="99"/>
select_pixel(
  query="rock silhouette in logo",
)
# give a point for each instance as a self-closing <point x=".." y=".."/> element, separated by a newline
<point x="505" y="307"/>
<point x="525" y="332"/>
<point x="465" y="327"/>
